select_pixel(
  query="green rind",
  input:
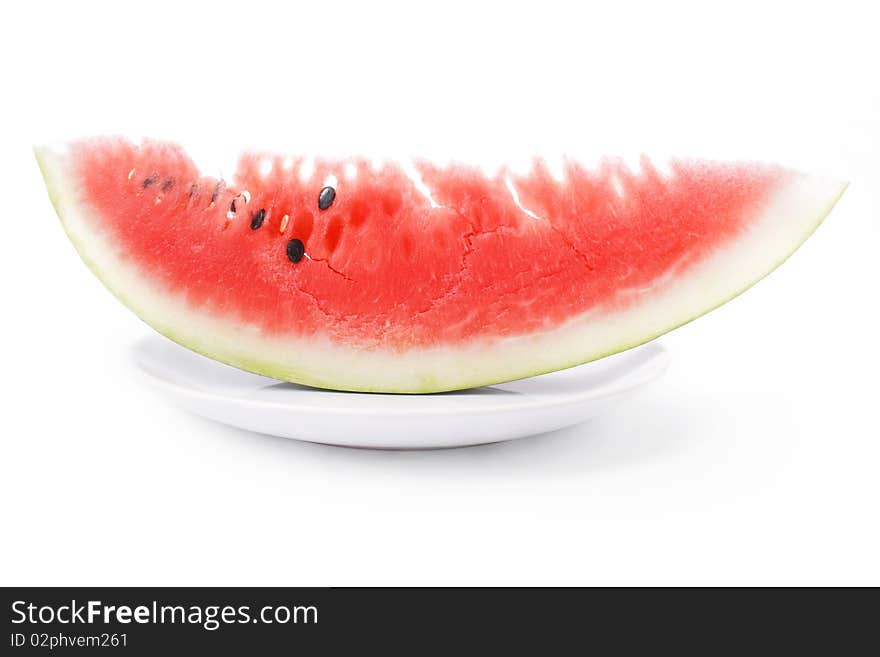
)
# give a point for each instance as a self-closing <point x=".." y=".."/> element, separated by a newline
<point x="733" y="296"/>
<point x="428" y="384"/>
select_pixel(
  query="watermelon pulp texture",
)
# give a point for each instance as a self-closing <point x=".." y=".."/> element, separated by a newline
<point x="422" y="278"/>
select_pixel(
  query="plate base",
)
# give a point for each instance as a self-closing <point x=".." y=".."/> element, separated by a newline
<point x="384" y="421"/>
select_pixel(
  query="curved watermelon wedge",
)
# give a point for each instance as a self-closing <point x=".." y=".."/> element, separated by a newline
<point x="419" y="278"/>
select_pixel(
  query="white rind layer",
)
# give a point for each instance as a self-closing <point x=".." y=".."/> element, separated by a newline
<point x="793" y="212"/>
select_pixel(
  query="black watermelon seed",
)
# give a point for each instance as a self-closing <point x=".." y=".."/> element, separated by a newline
<point x="217" y="189"/>
<point x="257" y="218"/>
<point x="295" y="250"/>
<point x="149" y="181"/>
<point x="232" y="206"/>
<point x="326" y="198"/>
<point x="168" y="184"/>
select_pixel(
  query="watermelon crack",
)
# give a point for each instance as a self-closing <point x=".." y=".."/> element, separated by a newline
<point x="571" y="246"/>
<point x="474" y="232"/>
<point x="326" y="263"/>
<point x="456" y="279"/>
<point x="534" y="282"/>
<point x="317" y="303"/>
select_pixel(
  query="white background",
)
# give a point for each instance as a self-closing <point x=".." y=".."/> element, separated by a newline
<point x="754" y="461"/>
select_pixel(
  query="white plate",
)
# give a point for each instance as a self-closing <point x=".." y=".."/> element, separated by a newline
<point x="451" y="419"/>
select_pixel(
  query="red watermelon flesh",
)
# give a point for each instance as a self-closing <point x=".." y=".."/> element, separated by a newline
<point x="417" y="277"/>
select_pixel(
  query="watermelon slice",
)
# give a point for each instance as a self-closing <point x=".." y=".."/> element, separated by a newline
<point x="412" y="277"/>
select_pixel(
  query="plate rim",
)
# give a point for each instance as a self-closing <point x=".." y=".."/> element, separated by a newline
<point x="659" y="360"/>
